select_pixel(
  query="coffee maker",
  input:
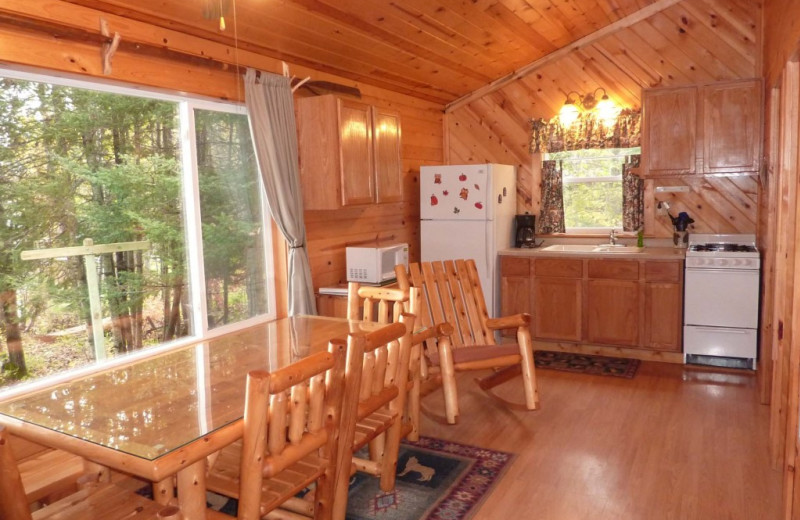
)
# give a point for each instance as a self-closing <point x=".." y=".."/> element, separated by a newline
<point x="525" y="235"/>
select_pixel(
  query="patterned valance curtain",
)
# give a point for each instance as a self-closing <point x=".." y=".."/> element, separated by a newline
<point x="551" y="218"/>
<point x="588" y="131"/>
<point x="632" y="196"/>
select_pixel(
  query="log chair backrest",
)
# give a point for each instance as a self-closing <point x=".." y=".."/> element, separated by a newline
<point x="378" y="304"/>
<point x="289" y="414"/>
<point x="451" y="292"/>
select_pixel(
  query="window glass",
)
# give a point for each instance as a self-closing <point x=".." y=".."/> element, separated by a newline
<point x="592" y="187"/>
<point x="92" y="189"/>
<point x="230" y="204"/>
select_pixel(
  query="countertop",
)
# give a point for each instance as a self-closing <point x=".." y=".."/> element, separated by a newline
<point x="648" y="253"/>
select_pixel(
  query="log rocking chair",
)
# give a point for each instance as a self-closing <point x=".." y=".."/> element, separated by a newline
<point x="451" y="293"/>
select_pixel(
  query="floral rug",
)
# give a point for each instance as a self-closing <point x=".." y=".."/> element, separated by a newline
<point x="587" y="364"/>
<point x="436" y="480"/>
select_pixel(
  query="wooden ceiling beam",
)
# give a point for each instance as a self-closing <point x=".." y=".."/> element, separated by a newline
<point x="623" y="23"/>
<point x="69" y="19"/>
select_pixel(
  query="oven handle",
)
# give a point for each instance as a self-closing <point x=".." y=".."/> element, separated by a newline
<point x="722" y="329"/>
<point x="720" y="270"/>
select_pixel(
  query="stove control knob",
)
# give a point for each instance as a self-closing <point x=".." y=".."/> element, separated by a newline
<point x="723" y="262"/>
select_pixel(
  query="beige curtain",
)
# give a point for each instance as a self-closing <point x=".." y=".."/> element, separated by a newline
<point x="272" y="125"/>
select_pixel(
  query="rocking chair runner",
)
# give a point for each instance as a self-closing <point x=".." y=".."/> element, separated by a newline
<point x="451" y="292"/>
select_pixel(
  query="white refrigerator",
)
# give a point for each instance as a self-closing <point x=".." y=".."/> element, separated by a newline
<point x="466" y="212"/>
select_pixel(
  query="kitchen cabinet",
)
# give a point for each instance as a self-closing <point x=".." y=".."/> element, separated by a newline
<point x="663" y="306"/>
<point x="613" y="302"/>
<point x="633" y="303"/>
<point x="732" y="127"/>
<point x="708" y="129"/>
<point x="349" y="153"/>
<point x="515" y="288"/>
<point x="558" y="299"/>
<point x="669" y="123"/>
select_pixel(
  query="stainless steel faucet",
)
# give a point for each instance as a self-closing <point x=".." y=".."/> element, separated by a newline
<point x="612" y="238"/>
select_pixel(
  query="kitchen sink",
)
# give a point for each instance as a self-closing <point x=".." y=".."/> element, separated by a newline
<point x="617" y="248"/>
<point x="586" y="248"/>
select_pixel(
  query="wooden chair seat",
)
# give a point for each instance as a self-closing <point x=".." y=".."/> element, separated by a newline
<point x="93" y="501"/>
<point x="225" y="477"/>
<point x="475" y="354"/>
<point x="50" y="473"/>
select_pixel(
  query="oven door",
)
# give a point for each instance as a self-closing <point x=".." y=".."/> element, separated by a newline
<point x="721" y="297"/>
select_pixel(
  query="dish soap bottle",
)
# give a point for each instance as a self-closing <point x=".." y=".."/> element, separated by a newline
<point x="640" y="238"/>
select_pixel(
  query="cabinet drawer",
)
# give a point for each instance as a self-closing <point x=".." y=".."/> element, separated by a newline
<point x="614" y="269"/>
<point x="558" y="267"/>
<point x="515" y="266"/>
<point x="662" y="271"/>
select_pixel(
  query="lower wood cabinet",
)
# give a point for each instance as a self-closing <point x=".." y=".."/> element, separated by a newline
<point x="616" y="302"/>
<point x="614" y="312"/>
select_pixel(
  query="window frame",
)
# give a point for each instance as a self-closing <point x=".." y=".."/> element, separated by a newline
<point x="187" y="104"/>
<point x="595" y="230"/>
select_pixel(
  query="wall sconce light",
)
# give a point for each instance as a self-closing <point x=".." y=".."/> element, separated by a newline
<point x="606" y="110"/>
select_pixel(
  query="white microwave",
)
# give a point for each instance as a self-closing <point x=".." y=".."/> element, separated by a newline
<point x="375" y="265"/>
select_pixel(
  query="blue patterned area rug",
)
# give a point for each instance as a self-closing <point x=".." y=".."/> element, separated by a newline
<point x="436" y="480"/>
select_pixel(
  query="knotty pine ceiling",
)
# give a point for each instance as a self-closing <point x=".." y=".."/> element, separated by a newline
<point x="438" y="50"/>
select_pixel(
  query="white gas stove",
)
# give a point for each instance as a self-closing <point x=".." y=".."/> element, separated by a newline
<point x="721" y="300"/>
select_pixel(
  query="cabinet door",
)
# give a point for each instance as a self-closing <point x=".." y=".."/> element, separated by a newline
<point x="515" y="288"/>
<point x="663" y="316"/>
<point x="613" y="314"/>
<point x="388" y="162"/>
<point x="558" y="307"/>
<point x="318" y="149"/>
<point x="732" y="127"/>
<point x="669" y="146"/>
<point x="355" y="149"/>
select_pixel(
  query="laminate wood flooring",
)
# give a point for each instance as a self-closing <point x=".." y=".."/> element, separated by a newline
<point x="671" y="443"/>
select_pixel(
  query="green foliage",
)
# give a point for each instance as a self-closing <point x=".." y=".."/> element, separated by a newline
<point x="77" y="164"/>
<point x="593" y="186"/>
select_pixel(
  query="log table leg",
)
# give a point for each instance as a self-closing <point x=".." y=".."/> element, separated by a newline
<point x="192" y="491"/>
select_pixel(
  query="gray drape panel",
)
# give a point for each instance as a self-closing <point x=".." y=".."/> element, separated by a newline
<point x="272" y="125"/>
<point x="551" y="217"/>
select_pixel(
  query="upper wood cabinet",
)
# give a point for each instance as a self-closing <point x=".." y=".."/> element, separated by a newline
<point x="670" y="131"/>
<point x="710" y="129"/>
<point x="349" y="153"/>
<point x="732" y="127"/>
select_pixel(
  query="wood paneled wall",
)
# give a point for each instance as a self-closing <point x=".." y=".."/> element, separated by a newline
<point x="692" y="42"/>
<point x="781" y="34"/>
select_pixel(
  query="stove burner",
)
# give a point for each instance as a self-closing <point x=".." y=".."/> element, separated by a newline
<point x="726" y="248"/>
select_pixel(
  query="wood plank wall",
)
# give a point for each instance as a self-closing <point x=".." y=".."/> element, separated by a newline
<point x="692" y="42"/>
<point x="781" y="34"/>
<point x="328" y="232"/>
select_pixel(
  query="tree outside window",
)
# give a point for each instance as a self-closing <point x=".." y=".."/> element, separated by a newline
<point x="592" y="187"/>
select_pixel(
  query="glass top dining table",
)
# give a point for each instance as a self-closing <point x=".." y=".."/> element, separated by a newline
<point x="152" y="406"/>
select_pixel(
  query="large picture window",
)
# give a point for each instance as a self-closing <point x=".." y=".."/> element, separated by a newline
<point x="156" y="196"/>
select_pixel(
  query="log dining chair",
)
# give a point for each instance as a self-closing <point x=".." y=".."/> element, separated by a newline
<point x="376" y="371"/>
<point x="291" y="422"/>
<point x="94" y="500"/>
<point x="451" y="292"/>
<point x="375" y="396"/>
<point x="385" y="305"/>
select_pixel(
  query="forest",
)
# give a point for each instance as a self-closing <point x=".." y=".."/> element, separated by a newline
<point x="78" y="163"/>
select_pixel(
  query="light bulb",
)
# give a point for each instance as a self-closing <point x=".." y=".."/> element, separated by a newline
<point x="607" y="111"/>
<point x="568" y="114"/>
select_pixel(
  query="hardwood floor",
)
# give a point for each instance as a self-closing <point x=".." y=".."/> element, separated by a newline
<point x="671" y="443"/>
